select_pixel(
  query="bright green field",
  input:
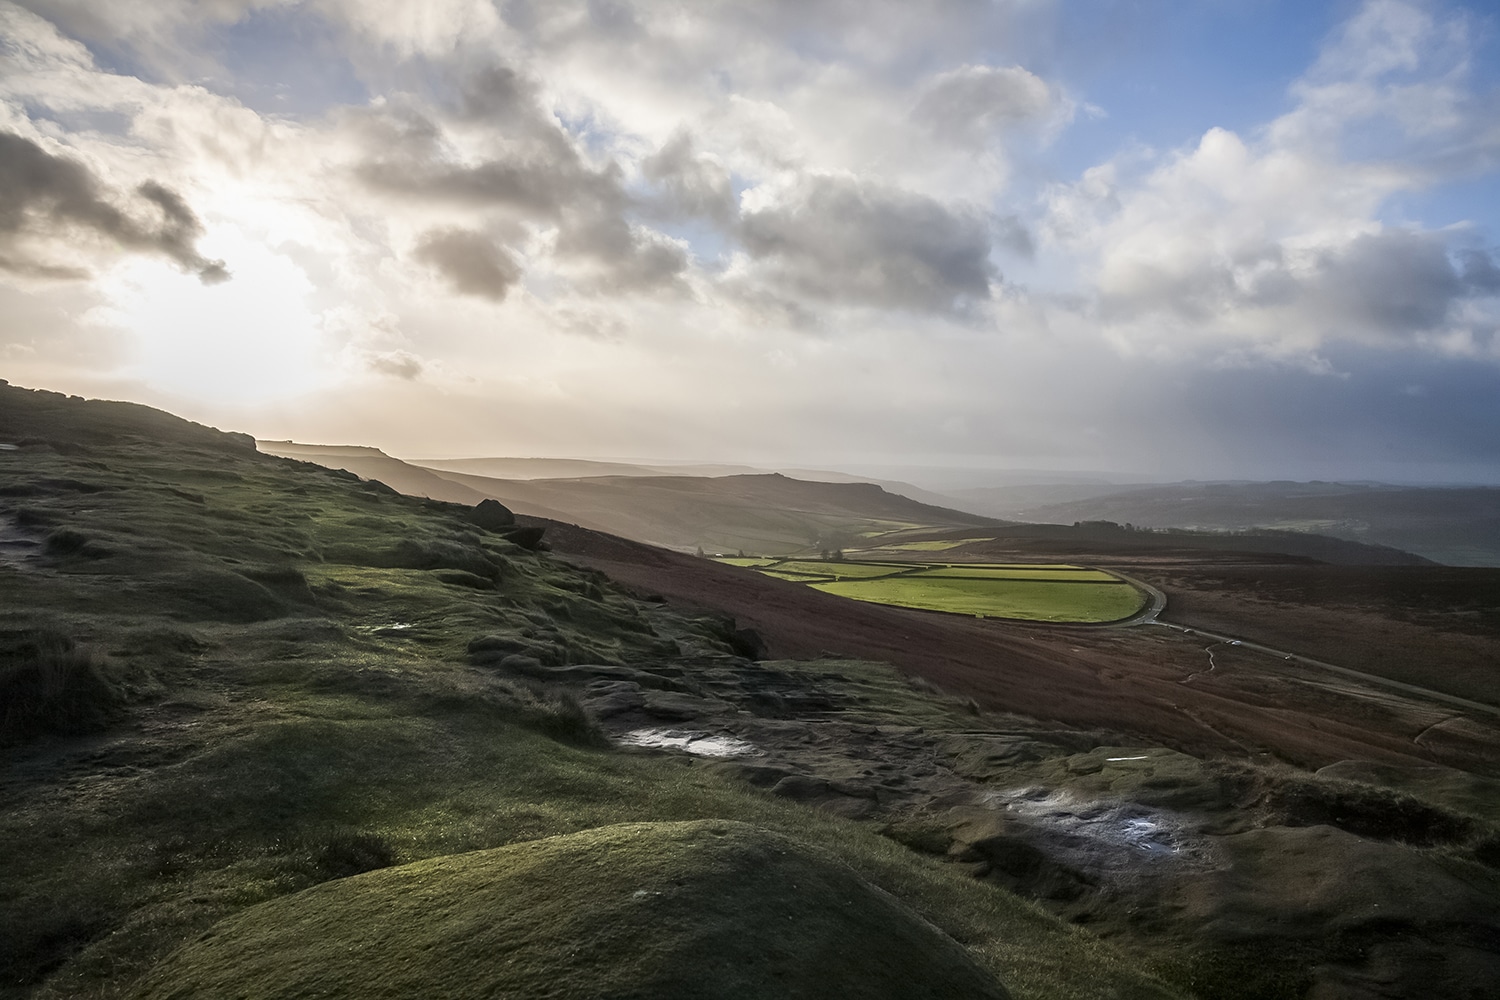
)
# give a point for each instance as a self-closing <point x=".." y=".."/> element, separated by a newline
<point x="1032" y="600"/>
<point x="795" y="577"/>
<point x="1047" y="592"/>
<point x="843" y="570"/>
<point x="1056" y="574"/>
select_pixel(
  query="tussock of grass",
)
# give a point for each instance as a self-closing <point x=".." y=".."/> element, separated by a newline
<point x="48" y="685"/>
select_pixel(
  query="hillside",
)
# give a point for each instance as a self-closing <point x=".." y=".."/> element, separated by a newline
<point x="230" y="678"/>
<point x="763" y="513"/>
<point x="766" y="512"/>
<point x="1456" y="526"/>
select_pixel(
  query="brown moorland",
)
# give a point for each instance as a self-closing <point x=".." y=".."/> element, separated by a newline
<point x="1148" y="682"/>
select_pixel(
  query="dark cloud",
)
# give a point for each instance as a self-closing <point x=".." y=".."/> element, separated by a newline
<point x="1387" y="286"/>
<point x="1012" y="234"/>
<point x="470" y="262"/>
<point x="53" y="197"/>
<point x="1390" y="283"/>
<point x="537" y="177"/>
<point x="843" y="240"/>
<point x="1479" y="272"/>
<point x="692" y="184"/>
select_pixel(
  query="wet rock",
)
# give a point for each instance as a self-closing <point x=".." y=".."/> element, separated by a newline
<point x="673" y="706"/>
<point x="607" y="699"/>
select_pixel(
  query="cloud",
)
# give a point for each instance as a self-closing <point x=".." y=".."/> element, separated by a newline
<point x="528" y="173"/>
<point x="846" y="241"/>
<point x="47" y="200"/>
<point x="470" y="262"/>
<point x="693" y="184"/>
<point x="972" y="104"/>
<point x="1272" y="245"/>
<point x="397" y="364"/>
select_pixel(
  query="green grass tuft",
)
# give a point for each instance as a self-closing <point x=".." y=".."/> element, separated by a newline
<point x="48" y="685"/>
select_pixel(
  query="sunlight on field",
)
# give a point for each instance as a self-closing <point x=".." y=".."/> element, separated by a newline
<point x="844" y="570"/>
<point x="937" y="545"/>
<point x="1055" y="574"/>
<point x="1048" y="592"/>
<point x="1031" y="600"/>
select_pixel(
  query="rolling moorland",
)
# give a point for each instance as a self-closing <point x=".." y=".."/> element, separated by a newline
<point x="775" y="514"/>
<point x="273" y="729"/>
<point x="1458" y="526"/>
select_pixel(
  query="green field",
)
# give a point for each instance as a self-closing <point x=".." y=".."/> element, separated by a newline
<point x="937" y="545"/>
<point x="1054" y="574"/>
<point x="1046" y="592"/>
<point x="1032" y="600"/>
<point x="843" y="570"/>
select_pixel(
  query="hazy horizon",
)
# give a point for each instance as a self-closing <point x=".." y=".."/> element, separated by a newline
<point x="1254" y="239"/>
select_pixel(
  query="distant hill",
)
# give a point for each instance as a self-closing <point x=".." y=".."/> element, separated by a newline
<point x="1456" y="526"/>
<point x="579" y="468"/>
<point x="572" y="468"/>
<point x="767" y="513"/>
<point x="764" y="514"/>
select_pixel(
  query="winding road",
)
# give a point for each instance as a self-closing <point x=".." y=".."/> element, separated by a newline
<point x="1150" y="615"/>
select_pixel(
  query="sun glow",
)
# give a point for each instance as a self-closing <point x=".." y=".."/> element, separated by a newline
<point x="250" y="339"/>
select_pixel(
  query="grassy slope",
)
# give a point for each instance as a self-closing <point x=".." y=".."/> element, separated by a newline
<point x="768" y="514"/>
<point x="281" y="696"/>
<point x="707" y="909"/>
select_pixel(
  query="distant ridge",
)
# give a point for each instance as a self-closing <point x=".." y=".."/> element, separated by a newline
<point x="764" y="512"/>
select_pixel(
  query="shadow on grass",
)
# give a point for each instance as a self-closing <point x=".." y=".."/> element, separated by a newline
<point x="50" y="686"/>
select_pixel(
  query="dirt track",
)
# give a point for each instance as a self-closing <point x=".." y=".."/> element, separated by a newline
<point x="1149" y="686"/>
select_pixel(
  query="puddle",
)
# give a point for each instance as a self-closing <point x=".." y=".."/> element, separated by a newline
<point x="388" y="629"/>
<point x="693" y="741"/>
<point x="1098" y="834"/>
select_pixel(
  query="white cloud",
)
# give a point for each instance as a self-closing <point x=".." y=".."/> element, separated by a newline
<point x="585" y="218"/>
<point x="1273" y="246"/>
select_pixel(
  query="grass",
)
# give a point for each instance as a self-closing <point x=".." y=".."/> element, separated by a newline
<point x="932" y="545"/>
<point x="1030" y="600"/>
<point x="841" y="570"/>
<point x="1025" y="591"/>
<point x="695" y="909"/>
<point x="48" y="685"/>
<point x="1054" y="574"/>
<point x="258" y="676"/>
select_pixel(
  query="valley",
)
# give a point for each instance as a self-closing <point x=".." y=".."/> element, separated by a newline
<point x="246" y="693"/>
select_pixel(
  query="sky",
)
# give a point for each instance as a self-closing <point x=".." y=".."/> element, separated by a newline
<point x="1227" y="239"/>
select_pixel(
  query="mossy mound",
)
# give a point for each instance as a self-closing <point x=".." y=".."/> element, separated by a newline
<point x="646" y="910"/>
